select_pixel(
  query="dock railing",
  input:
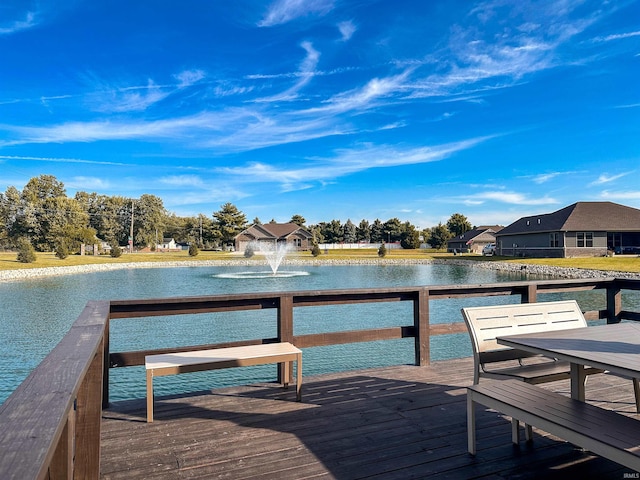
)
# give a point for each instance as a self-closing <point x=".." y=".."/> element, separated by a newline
<point x="50" y="425"/>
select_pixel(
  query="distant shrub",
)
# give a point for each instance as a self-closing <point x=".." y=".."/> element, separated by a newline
<point x="62" y="251"/>
<point x="315" y="251"/>
<point x="26" y="253"/>
<point x="193" y="250"/>
<point x="249" y="251"/>
<point x="382" y="251"/>
<point x="116" y="251"/>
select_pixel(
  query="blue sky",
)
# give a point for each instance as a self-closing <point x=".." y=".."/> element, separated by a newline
<point x="330" y="109"/>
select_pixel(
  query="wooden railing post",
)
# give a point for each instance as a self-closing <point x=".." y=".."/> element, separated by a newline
<point x="285" y="328"/>
<point x="89" y="419"/>
<point x="530" y="295"/>
<point x="421" y="324"/>
<point x="105" y="364"/>
<point x="61" y="466"/>
<point x="614" y="303"/>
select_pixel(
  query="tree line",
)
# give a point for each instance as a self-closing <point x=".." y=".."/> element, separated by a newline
<point x="45" y="217"/>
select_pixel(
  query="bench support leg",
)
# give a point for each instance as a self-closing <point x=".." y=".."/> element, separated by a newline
<point x="578" y="378"/>
<point x="471" y="424"/>
<point x="299" y="377"/>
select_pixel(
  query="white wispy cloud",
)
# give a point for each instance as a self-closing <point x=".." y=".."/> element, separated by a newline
<point x="110" y="98"/>
<point x="475" y="56"/>
<point x="18" y="25"/>
<point x="508" y="197"/>
<point x="88" y="183"/>
<point x="363" y="97"/>
<point x="284" y="11"/>
<point x="304" y="75"/>
<point x="347" y="29"/>
<point x="182" y="181"/>
<point x="606" y="178"/>
<point x="621" y="195"/>
<point x="346" y="162"/>
<point x="618" y="36"/>
<point x="58" y="160"/>
<point x="187" y="78"/>
<point x="549" y="176"/>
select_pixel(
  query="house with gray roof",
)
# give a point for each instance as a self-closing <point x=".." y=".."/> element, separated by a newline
<point x="474" y="240"/>
<point x="583" y="229"/>
<point x="297" y="237"/>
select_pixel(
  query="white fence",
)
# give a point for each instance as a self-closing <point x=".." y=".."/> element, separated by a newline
<point x="355" y="246"/>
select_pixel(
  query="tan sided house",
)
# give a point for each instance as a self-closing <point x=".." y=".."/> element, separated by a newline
<point x="474" y="240"/>
<point x="584" y="229"/>
<point x="297" y="237"/>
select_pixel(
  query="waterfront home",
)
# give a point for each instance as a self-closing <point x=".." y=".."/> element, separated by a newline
<point x="291" y="234"/>
<point x="474" y="240"/>
<point x="583" y="229"/>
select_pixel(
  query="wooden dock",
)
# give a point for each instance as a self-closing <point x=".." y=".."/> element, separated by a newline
<point x="391" y="423"/>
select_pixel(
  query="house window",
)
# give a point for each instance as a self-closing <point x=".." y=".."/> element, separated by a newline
<point x="297" y="242"/>
<point x="554" y="239"/>
<point x="584" y="239"/>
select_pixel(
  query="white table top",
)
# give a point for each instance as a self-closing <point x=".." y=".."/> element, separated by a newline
<point x="614" y="347"/>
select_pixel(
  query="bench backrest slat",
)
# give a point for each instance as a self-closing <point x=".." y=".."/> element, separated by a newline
<point x="487" y="323"/>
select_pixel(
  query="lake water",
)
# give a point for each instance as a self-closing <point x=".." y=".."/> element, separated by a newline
<point x="36" y="314"/>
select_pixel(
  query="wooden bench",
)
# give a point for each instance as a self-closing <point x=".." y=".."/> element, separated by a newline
<point x="603" y="432"/>
<point x="486" y="323"/>
<point x="199" y="360"/>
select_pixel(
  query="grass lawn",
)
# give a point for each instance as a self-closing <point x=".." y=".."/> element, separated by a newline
<point x="618" y="263"/>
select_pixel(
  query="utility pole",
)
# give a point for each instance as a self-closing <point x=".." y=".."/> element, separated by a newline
<point x="131" y="231"/>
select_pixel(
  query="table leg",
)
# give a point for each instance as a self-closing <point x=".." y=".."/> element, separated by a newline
<point x="578" y="378"/>
<point x="149" y="396"/>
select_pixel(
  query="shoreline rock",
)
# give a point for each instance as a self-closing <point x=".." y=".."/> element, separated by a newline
<point x="546" y="270"/>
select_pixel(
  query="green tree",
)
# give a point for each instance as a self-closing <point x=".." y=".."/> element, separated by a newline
<point x="229" y="222"/>
<point x="332" y="231"/>
<point x="62" y="251"/>
<point x="26" y="253"/>
<point x="382" y="251"/>
<point x="392" y="230"/>
<point x="440" y="234"/>
<point x="298" y="220"/>
<point x="377" y="231"/>
<point x="315" y="251"/>
<point x="410" y="237"/>
<point x="193" y="250"/>
<point x="349" y="232"/>
<point x="109" y="216"/>
<point x="149" y="216"/>
<point x="363" y="231"/>
<point x="458" y="224"/>
<point x="38" y="210"/>
<point x="316" y="231"/>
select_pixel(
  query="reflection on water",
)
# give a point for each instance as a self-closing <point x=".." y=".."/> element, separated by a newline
<point x="35" y="315"/>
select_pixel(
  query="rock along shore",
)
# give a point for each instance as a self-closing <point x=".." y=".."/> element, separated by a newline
<point x="560" y="272"/>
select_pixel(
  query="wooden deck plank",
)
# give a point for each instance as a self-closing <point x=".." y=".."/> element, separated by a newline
<point x="392" y="423"/>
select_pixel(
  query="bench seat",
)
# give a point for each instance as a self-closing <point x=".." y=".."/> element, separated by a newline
<point x="200" y="360"/>
<point x="603" y="432"/>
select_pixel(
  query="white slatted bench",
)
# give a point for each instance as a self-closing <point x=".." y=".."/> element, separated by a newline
<point x="603" y="432"/>
<point x="486" y="323"/>
<point x="200" y="360"/>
